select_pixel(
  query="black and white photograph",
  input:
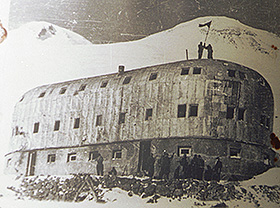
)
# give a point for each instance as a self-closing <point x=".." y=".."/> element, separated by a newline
<point x="139" y="103"/>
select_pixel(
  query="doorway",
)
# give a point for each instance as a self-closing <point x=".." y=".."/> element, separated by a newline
<point x="144" y="153"/>
<point x="31" y="161"/>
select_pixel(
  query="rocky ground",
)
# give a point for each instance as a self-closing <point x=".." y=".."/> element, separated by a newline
<point x="84" y="187"/>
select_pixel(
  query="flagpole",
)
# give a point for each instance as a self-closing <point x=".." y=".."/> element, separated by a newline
<point x="207" y="34"/>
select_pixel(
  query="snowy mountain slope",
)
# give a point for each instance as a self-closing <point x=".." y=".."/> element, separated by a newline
<point x="31" y="62"/>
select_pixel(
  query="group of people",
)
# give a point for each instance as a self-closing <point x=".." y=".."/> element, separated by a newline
<point x="209" y="49"/>
<point x="181" y="168"/>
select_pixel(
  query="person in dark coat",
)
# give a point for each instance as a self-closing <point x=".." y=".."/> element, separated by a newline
<point x="210" y="51"/>
<point x="200" y="50"/>
<point x="194" y="167"/>
<point x="150" y="167"/>
<point x="113" y="172"/>
<point x="99" y="166"/>
<point x="200" y="168"/>
<point x="217" y="170"/>
<point x="208" y="173"/>
<point x="165" y="165"/>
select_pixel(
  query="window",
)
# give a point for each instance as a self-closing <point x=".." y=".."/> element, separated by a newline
<point x="242" y="75"/>
<point x="16" y="131"/>
<point x="82" y="87"/>
<point x="93" y="155"/>
<point x="99" y="120"/>
<point x="235" y="152"/>
<point x="149" y="114"/>
<point x="71" y="157"/>
<point x="193" y="110"/>
<point x="117" y="154"/>
<point x="104" y="84"/>
<point x="36" y="127"/>
<point x="241" y="113"/>
<point x="196" y="70"/>
<point x="56" y="125"/>
<point x="181" y="111"/>
<point x="122" y="118"/>
<point x="127" y="80"/>
<point x="51" y="158"/>
<point x="62" y="90"/>
<point x="184" y="150"/>
<point x="153" y="76"/>
<point x="230" y="112"/>
<point x="77" y="123"/>
<point x="185" y="71"/>
<point x="265" y="121"/>
<point x="231" y="73"/>
<point x="21" y="99"/>
<point x="42" y="94"/>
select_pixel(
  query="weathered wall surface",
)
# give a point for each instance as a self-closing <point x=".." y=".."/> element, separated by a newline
<point x="223" y="101"/>
<point x="212" y="90"/>
<point x="253" y="159"/>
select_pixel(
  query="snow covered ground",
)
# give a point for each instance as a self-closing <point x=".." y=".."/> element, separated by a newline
<point x="27" y="61"/>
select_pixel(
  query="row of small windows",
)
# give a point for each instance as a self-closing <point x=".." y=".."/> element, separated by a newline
<point x="240" y="113"/>
<point x="181" y="113"/>
<point x="153" y="76"/>
<point x="104" y="83"/>
<point x="116" y="154"/>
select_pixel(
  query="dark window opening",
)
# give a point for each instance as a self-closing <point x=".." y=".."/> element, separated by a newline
<point x="242" y="75"/>
<point x="149" y="114"/>
<point x="122" y="118"/>
<point x="193" y="110"/>
<point x="185" y="71"/>
<point x="21" y="99"/>
<point x="267" y="122"/>
<point x="127" y="80"/>
<point x="182" y="111"/>
<point x="231" y="73"/>
<point x="241" y="113"/>
<point x="93" y="155"/>
<point x="263" y="118"/>
<point x="230" y="112"/>
<point x="77" y="123"/>
<point x="16" y="131"/>
<point x="82" y="87"/>
<point x="56" y="125"/>
<point x="153" y="76"/>
<point x="184" y="150"/>
<point x="42" y="94"/>
<point x="104" y="84"/>
<point x="62" y="91"/>
<point x="99" y="120"/>
<point x="196" y="70"/>
<point x="117" y="154"/>
<point x="51" y="158"/>
<point x="36" y="127"/>
<point x="71" y="157"/>
<point x="235" y="152"/>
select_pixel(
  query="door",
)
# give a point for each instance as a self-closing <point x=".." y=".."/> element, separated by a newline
<point x="30" y="170"/>
<point x="144" y="154"/>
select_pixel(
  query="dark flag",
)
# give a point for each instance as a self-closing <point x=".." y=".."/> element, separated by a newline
<point x="206" y="24"/>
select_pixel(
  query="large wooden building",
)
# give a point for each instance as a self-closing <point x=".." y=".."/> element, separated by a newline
<point x="213" y="108"/>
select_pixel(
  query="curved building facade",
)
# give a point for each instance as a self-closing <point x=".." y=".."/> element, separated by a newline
<point x="211" y="108"/>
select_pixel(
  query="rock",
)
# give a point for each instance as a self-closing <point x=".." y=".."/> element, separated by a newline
<point x="221" y="205"/>
<point x="130" y="193"/>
